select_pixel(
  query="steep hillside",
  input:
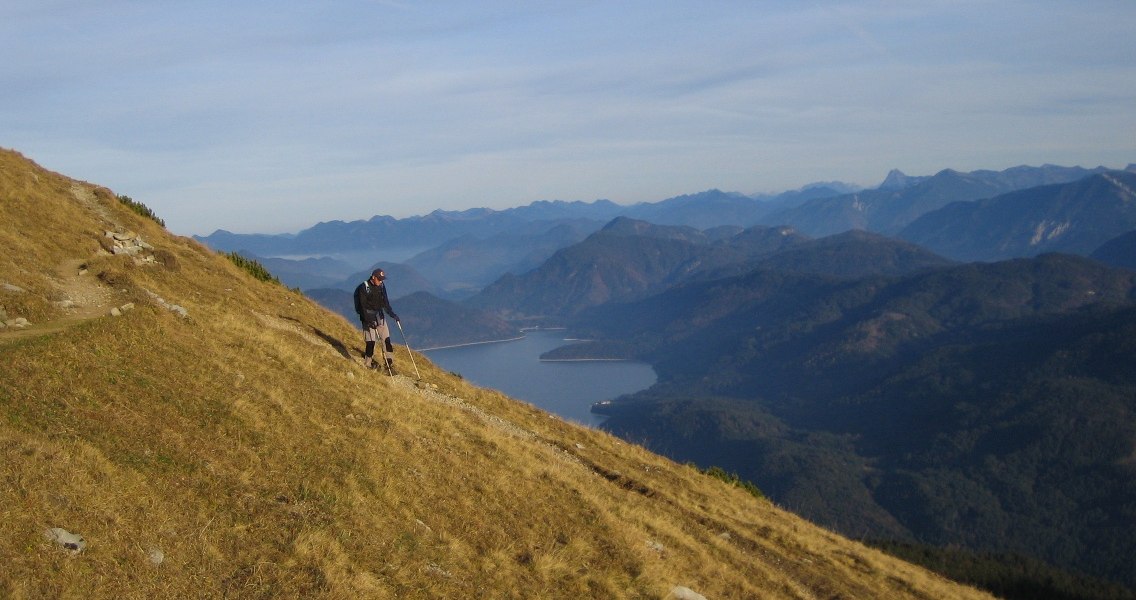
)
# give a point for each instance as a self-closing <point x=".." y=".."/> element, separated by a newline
<point x="854" y="254"/>
<point x="220" y="438"/>
<point x="1075" y="218"/>
<point x="1120" y="251"/>
<point x="626" y="260"/>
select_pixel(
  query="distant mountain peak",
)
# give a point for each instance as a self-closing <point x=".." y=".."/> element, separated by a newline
<point x="898" y="180"/>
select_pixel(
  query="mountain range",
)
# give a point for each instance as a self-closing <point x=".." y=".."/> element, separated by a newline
<point x="520" y="263"/>
<point x="901" y="200"/>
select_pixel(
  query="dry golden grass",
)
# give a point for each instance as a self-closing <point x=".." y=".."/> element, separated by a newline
<point x="248" y="448"/>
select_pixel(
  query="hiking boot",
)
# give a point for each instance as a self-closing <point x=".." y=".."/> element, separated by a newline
<point x="368" y="362"/>
<point x="390" y="367"/>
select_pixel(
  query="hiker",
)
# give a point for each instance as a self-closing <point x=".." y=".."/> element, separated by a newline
<point x="370" y="302"/>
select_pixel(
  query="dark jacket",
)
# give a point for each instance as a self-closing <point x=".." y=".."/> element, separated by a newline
<point x="370" y="302"/>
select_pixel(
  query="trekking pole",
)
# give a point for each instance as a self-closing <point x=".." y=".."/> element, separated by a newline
<point x="383" y="354"/>
<point x="408" y="350"/>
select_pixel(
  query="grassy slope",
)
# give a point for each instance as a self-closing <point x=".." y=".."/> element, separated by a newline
<point x="248" y="445"/>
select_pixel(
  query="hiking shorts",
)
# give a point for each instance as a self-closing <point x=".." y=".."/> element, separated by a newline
<point x="378" y="333"/>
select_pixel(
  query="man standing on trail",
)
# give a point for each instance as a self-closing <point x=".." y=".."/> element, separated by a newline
<point x="370" y="302"/>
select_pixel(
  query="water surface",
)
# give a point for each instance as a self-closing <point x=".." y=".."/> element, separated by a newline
<point x="566" y="388"/>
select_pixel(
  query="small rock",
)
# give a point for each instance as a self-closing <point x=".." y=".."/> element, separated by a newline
<point x="15" y="289"/>
<point x="114" y="312"/>
<point x="655" y="546"/>
<point x="679" y="592"/>
<point x="129" y="306"/>
<point x="17" y="323"/>
<point x="71" y="541"/>
<point x="156" y="556"/>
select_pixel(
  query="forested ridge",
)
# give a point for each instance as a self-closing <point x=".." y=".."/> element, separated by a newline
<point x="989" y="406"/>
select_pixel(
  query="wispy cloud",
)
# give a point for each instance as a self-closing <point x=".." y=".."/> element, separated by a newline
<point x="269" y="116"/>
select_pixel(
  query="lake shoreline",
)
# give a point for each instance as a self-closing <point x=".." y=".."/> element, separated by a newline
<point x="588" y="360"/>
<point x="520" y="337"/>
<point x="471" y="344"/>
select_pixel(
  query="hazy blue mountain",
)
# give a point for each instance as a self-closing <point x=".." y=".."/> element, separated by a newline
<point x="385" y="233"/>
<point x="1074" y="217"/>
<point x="854" y="254"/>
<point x="888" y="209"/>
<point x="737" y="253"/>
<point x="258" y="244"/>
<point x="1118" y="252"/>
<point x="701" y="211"/>
<point x="713" y="208"/>
<point x="304" y="273"/>
<point x="627" y="259"/>
<point x="897" y="180"/>
<point x="849" y="255"/>
<point x="468" y="263"/>
<point x="560" y="210"/>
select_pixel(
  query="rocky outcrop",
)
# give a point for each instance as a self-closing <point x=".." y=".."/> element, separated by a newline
<point x="175" y="308"/>
<point x="7" y="322"/>
<point x="130" y="244"/>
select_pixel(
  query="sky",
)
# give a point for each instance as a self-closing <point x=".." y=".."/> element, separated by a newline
<point x="271" y="116"/>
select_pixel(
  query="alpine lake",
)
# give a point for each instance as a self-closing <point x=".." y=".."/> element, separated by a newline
<point x="565" y="388"/>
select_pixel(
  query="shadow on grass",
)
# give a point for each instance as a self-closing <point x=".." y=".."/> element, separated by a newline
<point x="334" y="342"/>
<point x="339" y="346"/>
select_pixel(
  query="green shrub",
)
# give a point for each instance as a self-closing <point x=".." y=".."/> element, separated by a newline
<point x="253" y="267"/>
<point x="141" y="209"/>
<point x="734" y="480"/>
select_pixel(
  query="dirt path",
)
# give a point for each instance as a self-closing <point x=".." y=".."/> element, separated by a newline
<point x="83" y="296"/>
